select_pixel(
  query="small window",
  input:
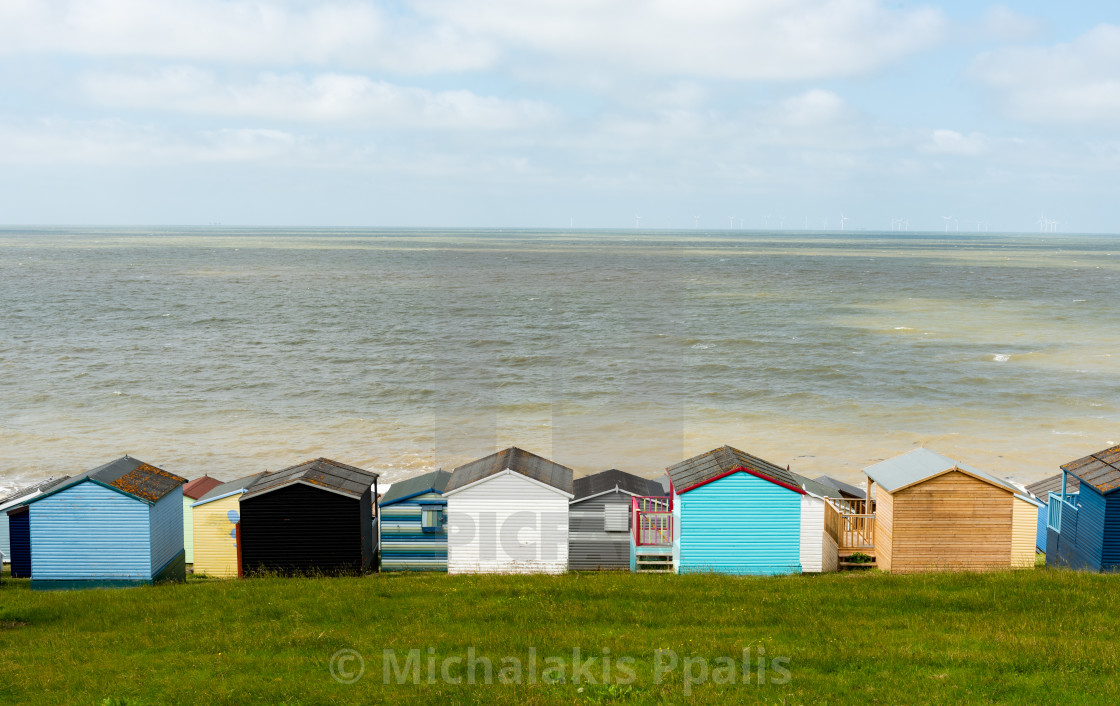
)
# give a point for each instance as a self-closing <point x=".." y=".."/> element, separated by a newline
<point x="431" y="519"/>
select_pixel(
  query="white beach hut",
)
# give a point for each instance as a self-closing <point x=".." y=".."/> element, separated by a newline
<point x="508" y="513"/>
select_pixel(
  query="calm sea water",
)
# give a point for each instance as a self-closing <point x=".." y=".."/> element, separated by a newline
<point x="232" y="351"/>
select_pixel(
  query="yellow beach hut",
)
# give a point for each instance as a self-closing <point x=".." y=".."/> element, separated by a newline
<point x="215" y="517"/>
<point x="192" y="491"/>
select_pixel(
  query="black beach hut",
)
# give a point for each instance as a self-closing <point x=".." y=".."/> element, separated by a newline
<point x="316" y="517"/>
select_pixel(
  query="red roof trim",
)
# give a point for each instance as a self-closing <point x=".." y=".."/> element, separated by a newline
<point x="198" y="487"/>
<point x="744" y="469"/>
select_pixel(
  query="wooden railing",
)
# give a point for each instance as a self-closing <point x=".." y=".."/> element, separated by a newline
<point x="848" y="526"/>
<point x="653" y="521"/>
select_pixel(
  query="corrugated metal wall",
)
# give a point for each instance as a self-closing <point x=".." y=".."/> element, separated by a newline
<point x="812" y="534"/>
<point x="502" y="501"/>
<point x="1024" y="533"/>
<point x="404" y="545"/>
<point x="20" y="529"/>
<point x="300" y="529"/>
<point x="90" y="532"/>
<point x="166" y="522"/>
<point x="215" y="539"/>
<point x="740" y="524"/>
<point x="590" y="545"/>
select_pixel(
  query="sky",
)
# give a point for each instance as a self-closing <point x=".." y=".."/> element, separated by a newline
<point x="562" y="113"/>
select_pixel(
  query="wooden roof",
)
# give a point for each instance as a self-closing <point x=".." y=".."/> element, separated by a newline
<point x="1100" y="470"/>
<point x="604" y="481"/>
<point x="717" y="462"/>
<point x="321" y="472"/>
<point x="1042" y="489"/>
<point x="514" y="459"/>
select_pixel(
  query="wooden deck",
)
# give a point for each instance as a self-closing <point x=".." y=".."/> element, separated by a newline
<point x="851" y="527"/>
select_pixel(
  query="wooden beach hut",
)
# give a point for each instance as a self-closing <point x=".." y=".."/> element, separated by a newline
<point x="314" y="517"/>
<point x="214" y="517"/>
<point x="192" y="491"/>
<point x="599" y="518"/>
<point x="935" y="514"/>
<point x="1083" y="530"/>
<point x="11" y="501"/>
<point x="1041" y="491"/>
<point x="736" y="513"/>
<point x="508" y="513"/>
<point x="414" y="524"/>
<point x="117" y="525"/>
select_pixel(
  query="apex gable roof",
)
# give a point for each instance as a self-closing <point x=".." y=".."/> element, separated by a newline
<point x="517" y="460"/>
<point x="706" y="467"/>
<point x="131" y="476"/>
<point x="198" y="487"/>
<point x="1041" y="489"/>
<point x="42" y="486"/>
<point x="1100" y="470"/>
<point x="604" y="481"/>
<point x="436" y="481"/>
<point x="919" y="465"/>
<point x="321" y="472"/>
<point x="841" y="486"/>
<point x="232" y="486"/>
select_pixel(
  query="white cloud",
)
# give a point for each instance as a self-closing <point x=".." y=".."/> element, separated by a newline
<point x="255" y="32"/>
<point x="1073" y="83"/>
<point x="952" y="142"/>
<point x="757" y="40"/>
<point x="329" y="97"/>
<point x="1003" y="23"/>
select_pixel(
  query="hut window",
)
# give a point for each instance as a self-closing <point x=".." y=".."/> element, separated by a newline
<point x="431" y="519"/>
<point x="616" y="518"/>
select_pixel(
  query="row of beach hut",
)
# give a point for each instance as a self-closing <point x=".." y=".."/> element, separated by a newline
<point x="128" y="522"/>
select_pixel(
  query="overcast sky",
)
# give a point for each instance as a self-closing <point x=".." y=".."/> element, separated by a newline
<point x="545" y="113"/>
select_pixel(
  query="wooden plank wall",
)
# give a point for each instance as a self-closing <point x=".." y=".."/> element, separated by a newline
<point x="953" y="521"/>
<point x="884" y="528"/>
<point x="1024" y="534"/>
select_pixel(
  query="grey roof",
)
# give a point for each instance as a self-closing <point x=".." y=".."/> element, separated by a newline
<point x="663" y="479"/>
<point x="40" y="487"/>
<point x="518" y="460"/>
<point x="231" y="487"/>
<point x="840" y="485"/>
<point x="1042" y="489"/>
<point x="609" y="480"/>
<point x="435" y="481"/>
<point x="716" y="462"/>
<point x="1100" y="470"/>
<point x="919" y="465"/>
<point x="129" y="475"/>
<point x="816" y="488"/>
<point x="322" y="472"/>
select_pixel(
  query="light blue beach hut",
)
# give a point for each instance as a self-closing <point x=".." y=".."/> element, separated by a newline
<point x="120" y="524"/>
<point x="16" y="498"/>
<point x="414" y="524"/>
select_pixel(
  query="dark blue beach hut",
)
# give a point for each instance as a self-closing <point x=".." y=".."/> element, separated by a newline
<point x="1083" y="527"/>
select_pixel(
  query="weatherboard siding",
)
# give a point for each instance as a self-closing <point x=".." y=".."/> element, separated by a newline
<point x="89" y="532"/>
<point x="215" y="537"/>
<point x="475" y="515"/>
<point x="590" y="546"/>
<point x="188" y="528"/>
<point x="1110" y="546"/>
<point x="405" y="546"/>
<point x="166" y="523"/>
<point x="1024" y="533"/>
<point x="1043" y="514"/>
<point x="740" y="524"/>
<point x="812" y="534"/>
<point x="5" y="541"/>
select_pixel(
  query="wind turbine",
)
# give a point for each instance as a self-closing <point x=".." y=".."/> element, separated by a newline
<point x="637" y="221"/>
<point x="842" y="219"/>
<point x="1042" y="223"/>
<point x="696" y="222"/>
<point x="731" y="220"/>
<point x="947" y="219"/>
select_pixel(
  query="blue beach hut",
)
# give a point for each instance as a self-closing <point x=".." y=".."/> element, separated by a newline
<point x="414" y="524"/>
<point x="22" y="557"/>
<point x="1041" y="491"/>
<point x="1083" y="526"/>
<point x="735" y="513"/>
<point x="120" y="524"/>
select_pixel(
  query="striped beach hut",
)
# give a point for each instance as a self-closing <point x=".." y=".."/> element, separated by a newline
<point x="508" y="513"/>
<point x="736" y="513"/>
<point x="119" y="524"/>
<point x="1083" y="530"/>
<point x="935" y="514"/>
<point x="8" y="503"/>
<point x="599" y="518"/>
<point x="414" y="524"/>
<point x="192" y="491"/>
<point x="314" y="517"/>
<point x="214" y="518"/>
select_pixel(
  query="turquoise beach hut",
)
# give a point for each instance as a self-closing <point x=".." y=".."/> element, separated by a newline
<point x="735" y="513"/>
<point x="120" y="524"/>
<point x="414" y="524"/>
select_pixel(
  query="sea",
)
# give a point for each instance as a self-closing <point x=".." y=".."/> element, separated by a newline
<point x="228" y="351"/>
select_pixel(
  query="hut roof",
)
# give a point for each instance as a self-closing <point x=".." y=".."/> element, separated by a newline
<point x="198" y="487"/>
<point x="131" y="476"/>
<point x="663" y="479"/>
<point x="514" y="459"/>
<point x="319" y="473"/>
<point x="605" y="481"/>
<point x="816" y="487"/>
<point x="1100" y="470"/>
<point x="41" y="487"/>
<point x="1042" y="489"/>
<point x="234" y="486"/>
<point x="706" y="467"/>
<point x="841" y="486"/>
<point x="436" y="481"/>
<point x="919" y="465"/>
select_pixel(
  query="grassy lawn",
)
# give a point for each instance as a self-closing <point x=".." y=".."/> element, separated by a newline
<point x="1020" y="637"/>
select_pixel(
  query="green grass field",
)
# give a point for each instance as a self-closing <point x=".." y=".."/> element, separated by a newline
<point x="1020" y="637"/>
